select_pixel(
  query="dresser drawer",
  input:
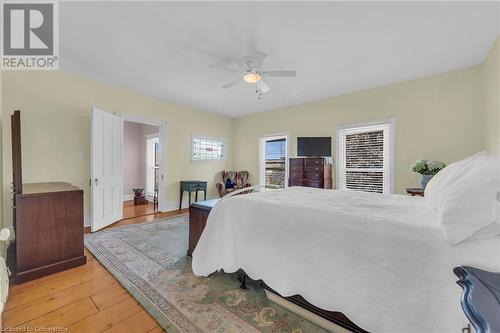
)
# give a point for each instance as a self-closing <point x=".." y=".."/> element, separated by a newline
<point x="314" y="162"/>
<point x="202" y="186"/>
<point x="296" y="162"/>
<point x="296" y="175"/>
<point x="314" y="168"/>
<point x="314" y="175"/>
<point x="296" y="168"/>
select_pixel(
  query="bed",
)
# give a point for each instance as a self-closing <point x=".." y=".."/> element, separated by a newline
<point x="379" y="259"/>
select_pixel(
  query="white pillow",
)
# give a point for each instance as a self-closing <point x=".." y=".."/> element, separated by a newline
<point x="469" y="204"/>
<point x="446" y="177"/>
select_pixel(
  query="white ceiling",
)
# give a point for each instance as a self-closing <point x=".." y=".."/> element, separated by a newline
<point x="164" y="49"/>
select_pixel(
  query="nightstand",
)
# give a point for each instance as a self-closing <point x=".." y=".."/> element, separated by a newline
<point x="415" y="191"/>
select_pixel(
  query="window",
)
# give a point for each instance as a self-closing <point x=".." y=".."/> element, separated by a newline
<point x="153" y="165"/>
<point x="273" y="161"/>
<point x="365" y="157"/>
<point x="207" y="149"/>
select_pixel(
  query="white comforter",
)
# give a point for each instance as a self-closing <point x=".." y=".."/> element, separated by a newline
<point x="379" y="259"/>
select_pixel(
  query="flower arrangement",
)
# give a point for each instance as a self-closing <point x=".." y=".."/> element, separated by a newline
<point x="425" y="167"/>
<point x="138" y="192"/>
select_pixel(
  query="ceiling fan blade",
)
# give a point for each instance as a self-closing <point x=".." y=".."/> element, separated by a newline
<point x="262" y="86"/>
<point x="254" y="60"/>
<point x="279" y="73"/>
<point x="232" y="83"/>
<point x="258" y="58"/>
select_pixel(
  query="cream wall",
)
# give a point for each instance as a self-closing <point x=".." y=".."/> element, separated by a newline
<point x="491" y="99"/>
<point x="437" y="117"/>
<point x="55" y="116"/>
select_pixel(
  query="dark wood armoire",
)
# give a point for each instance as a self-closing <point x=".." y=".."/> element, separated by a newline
<point x="47" y="221"/>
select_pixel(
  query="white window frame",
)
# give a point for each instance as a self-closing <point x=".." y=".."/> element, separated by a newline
<point x="262" y="156"/>
<point x="362" y="126"/>
<point x="204" y="160"/>
<point x="149" y="137"/>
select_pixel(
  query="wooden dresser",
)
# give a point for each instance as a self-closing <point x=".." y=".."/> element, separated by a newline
<point x="47" y="221"/>
<point x="310" y="172"/>
<point x="49" y="229"/>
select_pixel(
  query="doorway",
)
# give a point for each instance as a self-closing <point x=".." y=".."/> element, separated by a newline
<point x="128" y="167"/>
<point x="274" y="161"/>
<point x="141" y="162"/>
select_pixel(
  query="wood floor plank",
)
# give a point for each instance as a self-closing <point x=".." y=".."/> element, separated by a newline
<point x="40" y="290"/>
<point x="141" y="322"/>
<point x="63" y="317"/>
<point x="130" y="210"/>
<point x="157" y="329"/>
<point x="110" y="297"/>
<point x="69" y="274"/>
<point x="46" y="304"/>
<point x="107" y="318"/>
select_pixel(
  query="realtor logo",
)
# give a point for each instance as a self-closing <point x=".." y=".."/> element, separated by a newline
<point x="30" y="35"/>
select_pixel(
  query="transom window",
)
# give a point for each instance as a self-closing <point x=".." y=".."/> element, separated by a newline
<point x="205" y="149"/>
<point x="365" y="157"/>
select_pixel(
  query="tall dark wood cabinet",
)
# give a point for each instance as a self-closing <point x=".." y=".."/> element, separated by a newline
<point x="310" y="172"/>
<point x="47" y="221"/>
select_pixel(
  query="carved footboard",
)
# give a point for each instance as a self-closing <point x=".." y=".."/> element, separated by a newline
<point x="481" y="297"/>
<point x="337" y="318"/>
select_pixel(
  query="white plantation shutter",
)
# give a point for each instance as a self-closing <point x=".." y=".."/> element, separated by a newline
<point x="364" y="161"/>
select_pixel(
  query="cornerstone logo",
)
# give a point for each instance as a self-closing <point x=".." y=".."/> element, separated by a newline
<point x="30" y="36"/>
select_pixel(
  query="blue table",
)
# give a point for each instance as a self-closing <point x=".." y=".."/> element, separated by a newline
<point x="192" y="186"/>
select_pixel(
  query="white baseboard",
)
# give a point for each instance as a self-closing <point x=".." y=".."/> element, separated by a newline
<point x="86" y="221"/>
<point x="128" y="197"/>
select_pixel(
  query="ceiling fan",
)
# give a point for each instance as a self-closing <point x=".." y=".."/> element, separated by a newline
<point x="250" y="72"/>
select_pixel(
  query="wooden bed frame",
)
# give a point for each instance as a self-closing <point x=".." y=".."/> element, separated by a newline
<point x="338" y="318"/>
<point x="480" y="287"/>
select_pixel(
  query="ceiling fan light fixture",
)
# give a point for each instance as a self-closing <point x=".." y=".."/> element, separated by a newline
<point x="252" y="77"/>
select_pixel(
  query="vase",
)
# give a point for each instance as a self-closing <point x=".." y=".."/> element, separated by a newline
<point x="424" y="179"/>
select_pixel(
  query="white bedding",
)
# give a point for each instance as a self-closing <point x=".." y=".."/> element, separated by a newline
<point x="379" y="259"/>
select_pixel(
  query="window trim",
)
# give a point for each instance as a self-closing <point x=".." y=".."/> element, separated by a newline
<point x="147" y="138"/>
<point x="262" y="157"/>
<point x="205" y="137"/>
<point x="392" y="147"/>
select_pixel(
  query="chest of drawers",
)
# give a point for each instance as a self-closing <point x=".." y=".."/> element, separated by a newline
<point x="310" y="172"/>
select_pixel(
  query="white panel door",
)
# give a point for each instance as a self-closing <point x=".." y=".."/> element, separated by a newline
<point x="107" y="170"/>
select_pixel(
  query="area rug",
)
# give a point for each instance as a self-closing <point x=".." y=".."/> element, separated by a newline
<point x="150" y="261"/>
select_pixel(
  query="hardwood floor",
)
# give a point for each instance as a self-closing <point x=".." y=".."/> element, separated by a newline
<point x="83" y="299"/>
<point x="130" y="210"/>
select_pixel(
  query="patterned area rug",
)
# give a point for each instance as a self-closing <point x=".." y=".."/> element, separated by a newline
<point x="150" y="261"/>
